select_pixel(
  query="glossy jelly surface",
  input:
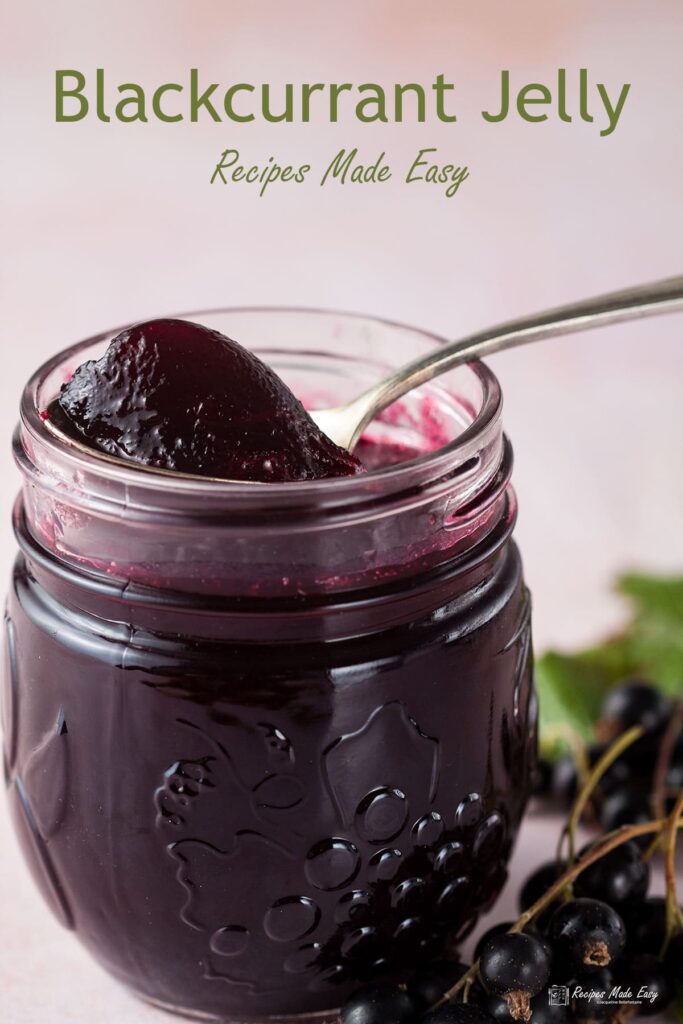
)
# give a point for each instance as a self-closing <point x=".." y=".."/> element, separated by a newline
<point x="174" y="395"/>
<point x="243" y="830"/>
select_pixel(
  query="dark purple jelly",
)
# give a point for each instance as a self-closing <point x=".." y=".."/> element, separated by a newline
<point x="258" y="828"/>
<point x="174" y="395"/>
<point x="263" y="744"/>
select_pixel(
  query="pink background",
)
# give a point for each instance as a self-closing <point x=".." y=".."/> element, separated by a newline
<point x="107" y="223"/>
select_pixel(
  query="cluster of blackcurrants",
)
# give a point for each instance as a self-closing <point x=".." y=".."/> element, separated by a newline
<point x="597" y="951"/>
<point x="624" y="793"/>
<point x="588" y="958"/>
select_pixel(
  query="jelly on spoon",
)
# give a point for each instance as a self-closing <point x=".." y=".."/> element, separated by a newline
<point x="174" y="395"/>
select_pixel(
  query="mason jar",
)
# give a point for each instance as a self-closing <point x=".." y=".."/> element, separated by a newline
<point x="265" y="742"/>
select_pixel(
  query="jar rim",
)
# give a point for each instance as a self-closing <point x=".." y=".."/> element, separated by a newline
<point x="398" y="477"/>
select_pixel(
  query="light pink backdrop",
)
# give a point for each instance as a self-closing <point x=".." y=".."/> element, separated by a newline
<point x="103" y="224"/>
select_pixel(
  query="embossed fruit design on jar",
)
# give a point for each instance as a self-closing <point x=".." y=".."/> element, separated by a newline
<point x="263" y="742"/>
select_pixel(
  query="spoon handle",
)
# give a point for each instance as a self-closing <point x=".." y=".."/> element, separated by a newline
<point x="632" y="303"/>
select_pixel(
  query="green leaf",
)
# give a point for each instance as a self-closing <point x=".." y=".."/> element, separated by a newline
<point x="569" y="696"/>
<point x="571" y="687"/>
<point x="657" y="596"/>
<point x="655" y="638"/>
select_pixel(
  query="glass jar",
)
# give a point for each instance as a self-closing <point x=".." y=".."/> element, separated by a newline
<point x="266" y="741"/>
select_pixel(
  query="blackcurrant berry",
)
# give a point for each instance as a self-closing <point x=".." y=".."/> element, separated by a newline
<point x="677" y="755"/>
<point x="515" y="966"/>
<point x="626" y="806"/>
<point x="539" y="881"/>
<point x="620" y="877"/>
<point x="545" y="1010"/>
<point x="594" y="752"/>
<point x="590" y="997"/>
<point x="587" y="934"/>
<point x="495" y="1006"/>
<point x="646" y="925"/>
<point x="674" y="776"/>
<point x="497" y="929"/>
<point x="641" y="757"/>
<point x="542" y="777"/>
<point x="565" y="781"/>
<point x="619" y="773"/>
<point x="536" y="885"/>
<point x="457" y="1013"/>
<point x="633" y="702"/>
<point x="379" y="1004"/>
<point x="650" y="982"/>
<point x="428" y="985"/>
<point x="674" y="956"/>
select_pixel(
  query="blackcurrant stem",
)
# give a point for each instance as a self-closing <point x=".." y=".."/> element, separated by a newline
<point x="575" y="743"/>
<point x="650" y="851"/>
<point x="608" y="758"/>
<point x="664" y="755"/>
<point x="674" y="918"/>
<point x="598" y="850"/>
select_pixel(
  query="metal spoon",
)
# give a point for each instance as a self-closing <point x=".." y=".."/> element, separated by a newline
<point x="345" y="423"/>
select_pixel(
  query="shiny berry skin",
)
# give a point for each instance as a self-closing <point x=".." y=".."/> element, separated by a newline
<point x="430" y="983"/>
<point x="634" y="703"/>
<point x="457" y="1013"/>
<point x="495" y="1006"/>
<point x="645" y="972"/>
<point x="565" y="782"/>
<point x="539" y="881"/>
<point x="497" y="929"/>
<point x="674" y="775"/>
<point x="536" y="885"/>
<point x="677" y="755"/>
<point x="586" y="1005"/>
<point x="542" y="778"/>
<point x="626" y="806"/>
<point x="674" y="956"/>
<point x="620" y="877"/>
<point x="379" y="1004"/>
<point x="674" y="778"/>
<point x="543" y="1011"/>
<point x="174" y="395"/>
<point x="619" y="774"/>
<point x="515" y="966"/>
<point x="587" y="934"/>
<point x="646" y="926"/>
